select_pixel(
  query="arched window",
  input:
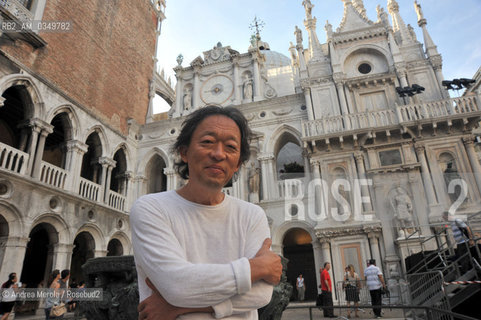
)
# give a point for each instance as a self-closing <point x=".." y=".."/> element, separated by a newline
<point x="154" y="171"/>
<point x="118" y="182"/>
<point x="91" y="168"/>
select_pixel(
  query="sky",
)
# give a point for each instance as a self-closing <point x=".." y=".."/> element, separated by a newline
<point x="193" y="26"/>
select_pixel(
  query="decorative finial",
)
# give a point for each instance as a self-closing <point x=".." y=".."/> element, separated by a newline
<point x="180" y="58"/>
<point x="257" y="25"/>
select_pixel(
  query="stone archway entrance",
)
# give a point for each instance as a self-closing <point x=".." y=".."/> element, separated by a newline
<point x="3" y="237"/>
<point x="297" y="247"/>
<point x="115" y="248"/>
<point x="84" y="249"/>
<point x="39" y="255"/>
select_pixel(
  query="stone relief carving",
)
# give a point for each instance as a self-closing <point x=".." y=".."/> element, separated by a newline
<point x="269" y="92"/>
<point x="248" y="89"/>
<point x="187" y="99"/>
<point x="403" y="211"/>
<point x="253" y="183"/>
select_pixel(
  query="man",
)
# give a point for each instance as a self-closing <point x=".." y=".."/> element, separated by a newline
<point x="374" y="282"/>
<point x="201" y="254"/>
<point x="464" y="240"/>
<point x="301" y="287"/>
<point x="326" y="288"/>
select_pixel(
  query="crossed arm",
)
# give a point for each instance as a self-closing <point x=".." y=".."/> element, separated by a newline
<point x="179" y="286"/>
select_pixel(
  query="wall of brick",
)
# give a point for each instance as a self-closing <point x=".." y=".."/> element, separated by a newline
<point x="105" y="62"/>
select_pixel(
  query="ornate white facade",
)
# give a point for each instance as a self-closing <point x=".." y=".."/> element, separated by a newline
<point x="331" y="109"/>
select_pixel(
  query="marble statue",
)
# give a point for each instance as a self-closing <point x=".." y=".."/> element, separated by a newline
<point x="187" y="99"/>
<point x="248" y="89"/>
<point x="382" y="16"/>
<point x="298" y="34"/>
<point x="328" y="28"/>
<point x="419" y="11"/>
<point x="253" y="183"/>
<point x="308" y="7"/>
<point x="403" y="209"/>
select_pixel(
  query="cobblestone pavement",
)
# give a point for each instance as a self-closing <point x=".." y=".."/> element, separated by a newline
<point x="303" y="314"/>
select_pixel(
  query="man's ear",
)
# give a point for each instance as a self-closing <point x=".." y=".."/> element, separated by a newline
<point x="183" y="153"/>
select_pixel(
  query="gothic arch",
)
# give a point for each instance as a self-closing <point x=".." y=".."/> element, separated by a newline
<point x="102" y="136"/>
<point x="36" y="107"/>
<point x="72" y="117"/>
<point x="283" y="131"/>
<point x="124" y="240"/>
<point x="13" y="217"/>
<point x="96" y="233"/>
<point x="281" y="231"/>
<point x="58" y="223"/>
<point x="128" y="155"/>
<point x="145" y="159"/>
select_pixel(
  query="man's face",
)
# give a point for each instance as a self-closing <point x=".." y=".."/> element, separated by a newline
<point x="328" y="266"/>
<point x="214" y="152"/>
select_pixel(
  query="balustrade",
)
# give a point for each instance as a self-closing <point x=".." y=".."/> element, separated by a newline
<point x="12" y="159"/>
<point x="53" y="175"/>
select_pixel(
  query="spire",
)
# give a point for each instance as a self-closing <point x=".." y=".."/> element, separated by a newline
<point x="315" y="49"/>
<point x="359" y="5"/>
<point x="354" y="17"/>
<point x="399" y="27"/>
<point x="431" y="49"/>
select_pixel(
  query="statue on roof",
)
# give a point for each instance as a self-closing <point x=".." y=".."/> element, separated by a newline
<point x="382" y="16"/>
<point x="419" y="11"/>
<point x="308" y="7"/>
<point x="298" y="34"/>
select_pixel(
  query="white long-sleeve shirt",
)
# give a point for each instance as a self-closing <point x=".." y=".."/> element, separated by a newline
<point x="197" y="255"/>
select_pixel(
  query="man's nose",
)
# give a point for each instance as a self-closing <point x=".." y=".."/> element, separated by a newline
<point x="218" y="151"/>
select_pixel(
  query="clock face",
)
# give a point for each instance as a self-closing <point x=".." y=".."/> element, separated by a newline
<point x="216" y="89"/>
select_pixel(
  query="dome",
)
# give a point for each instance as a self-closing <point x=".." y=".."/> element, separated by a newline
<point x="275" y="59"/>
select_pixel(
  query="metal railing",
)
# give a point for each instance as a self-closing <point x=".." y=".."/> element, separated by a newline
<point x="427" y="289"/>
<point x="398" y="292"/>
<point x="408" y="312"/>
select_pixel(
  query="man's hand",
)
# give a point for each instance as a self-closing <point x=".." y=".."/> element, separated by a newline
<point x="266" y="265"/>
<point x="156" y="307"/>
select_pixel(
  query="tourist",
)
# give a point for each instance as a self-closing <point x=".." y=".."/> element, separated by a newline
<point x="196" y="249"/>
<point x="301" y="287"/>
<point x="326" y="288"/>
<point x="53" y="285"/>
<point x="374" y="282"/>
<point x="352" y="284"/>
<point x="8" y="295"/>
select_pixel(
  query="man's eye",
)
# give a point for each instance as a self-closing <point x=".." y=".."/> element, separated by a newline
<point x="232" y="147"/>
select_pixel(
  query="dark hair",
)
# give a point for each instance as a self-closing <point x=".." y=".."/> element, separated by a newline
<point x="12" y="276"/>
<point x="326" y="263"/>
<point x="52" y="276"/>
<point x="372" y="261"/>
<point x="64" y="273"/>
<point x="192" y="122"/>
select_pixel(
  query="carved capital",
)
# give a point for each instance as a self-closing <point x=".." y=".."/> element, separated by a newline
<point x="107" y="162"/>
<point x="468" y="140"/>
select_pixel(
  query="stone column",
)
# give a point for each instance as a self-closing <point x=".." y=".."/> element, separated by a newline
<point x="178" y="104"/>
<point x="128" y="190"/>
<point x="361" y="170"/>
<point x="342" y="98"/>
<point x="473" y="159"/>
<point x="196" y="93"/>
<point x="427" y="181"/>
<point x="37" y="164"/>
<point x="62" y="256"/>
<point x="170" y="174"/>
<point x="107" y="166"/>
<point x="326" y="253"/>
<point x="139" y="186"/>
<point x="268" y="179"/>
<point x="237" y="82"/>
<point x="273" y="190"/>
<point x="31" y="147"/>
<point x="318" y="195"/>
<point x="374" y="244"/>
<point x="13" y="256"/>
<point x="100" y="253"/>
<point x="317" y="250"/>
<point x="73" y="164"/>
<point x="307" y="96"/>
<point x="257" y="77"/>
